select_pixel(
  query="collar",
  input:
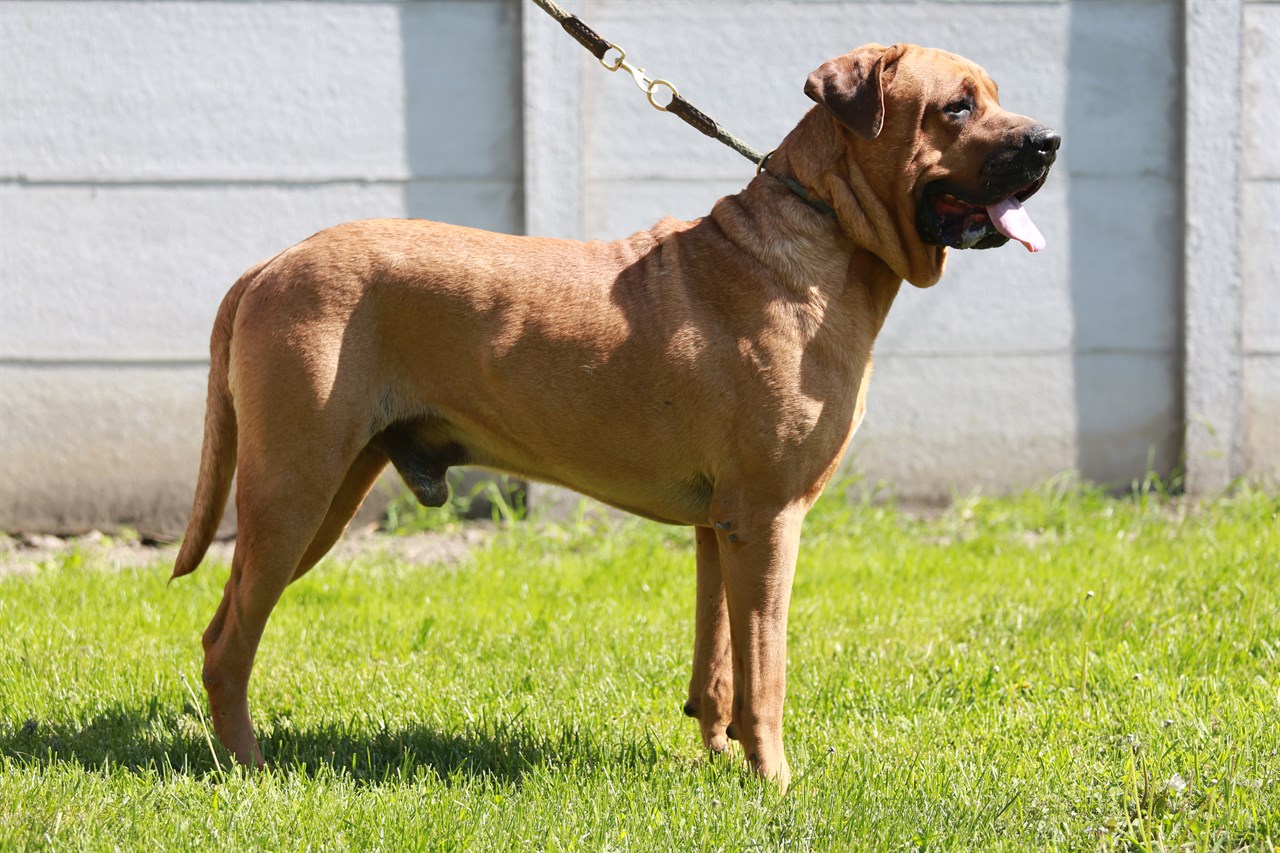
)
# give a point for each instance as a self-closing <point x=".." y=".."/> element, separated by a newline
<point x="797" y="188"/>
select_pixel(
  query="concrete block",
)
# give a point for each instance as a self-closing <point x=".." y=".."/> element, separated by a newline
<point x="553" y="73"/>
<point x="1125" y="264"/>
<point x="1261" y="250"/>
<point x="138" y="271"/>
<point x="85" y="447"/>
<point x="259" y="91"/>
<point x="94" y="447"/>
<point x="941" y="424"/>
<point x="1261" y="85"/>
<point x="1122" y="84"/>
<point x="1126" y="412"/>
<point x="462" y="76"/>
<point x="1262" y="418"/>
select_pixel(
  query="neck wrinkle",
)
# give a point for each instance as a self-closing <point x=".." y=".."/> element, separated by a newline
<point x="829" y="170"/>
<point x="794" y="234"/>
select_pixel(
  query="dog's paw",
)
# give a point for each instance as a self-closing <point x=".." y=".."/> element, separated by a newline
<point x="715" y="736"/>
<point x="778" y="772"/>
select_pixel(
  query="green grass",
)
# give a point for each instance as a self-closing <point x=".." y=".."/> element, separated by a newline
<point x="952" y="684"/>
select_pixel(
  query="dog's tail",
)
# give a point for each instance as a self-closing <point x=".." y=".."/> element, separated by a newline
<point x="218" y="455"/>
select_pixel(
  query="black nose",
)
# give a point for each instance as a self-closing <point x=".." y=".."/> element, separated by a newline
<point x="1043" y="139"/>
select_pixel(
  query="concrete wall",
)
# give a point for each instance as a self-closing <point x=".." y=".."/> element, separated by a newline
<point x="1261" y="239"/>
<point x="150" y="151"/>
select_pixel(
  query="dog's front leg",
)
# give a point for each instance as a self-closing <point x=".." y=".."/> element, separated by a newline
<point x="758" y="561"/>
<point x="711" y="686"/>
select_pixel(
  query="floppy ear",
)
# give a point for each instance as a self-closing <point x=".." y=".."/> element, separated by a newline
<point x="850" y="87"/>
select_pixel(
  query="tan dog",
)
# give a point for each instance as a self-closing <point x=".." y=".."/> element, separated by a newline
<point x="707" y="373"/>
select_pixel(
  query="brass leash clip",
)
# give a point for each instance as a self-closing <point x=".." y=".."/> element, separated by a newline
<point x="648" y="86"/>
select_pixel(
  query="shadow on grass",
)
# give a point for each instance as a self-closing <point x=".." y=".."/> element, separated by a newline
<point x="151" y="740"/>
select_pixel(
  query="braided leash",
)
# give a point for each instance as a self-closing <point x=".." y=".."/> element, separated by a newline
<point x="614" y="58"/>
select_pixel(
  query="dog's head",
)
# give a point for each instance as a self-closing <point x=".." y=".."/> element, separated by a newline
<point x="924" y="130"/>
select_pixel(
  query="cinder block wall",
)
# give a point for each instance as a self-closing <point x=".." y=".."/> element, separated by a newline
<point x="150" y="151"/>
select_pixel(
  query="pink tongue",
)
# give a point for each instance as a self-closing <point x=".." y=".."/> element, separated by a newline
<point x="1012" y="221"/>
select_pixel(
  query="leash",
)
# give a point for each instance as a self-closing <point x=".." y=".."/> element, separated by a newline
<point x="614" y="58"/>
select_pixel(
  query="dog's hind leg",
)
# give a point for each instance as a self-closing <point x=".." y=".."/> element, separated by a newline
<point x="711" y="686"/>
<point x="281" y="504"/>
<point x="360" y="478"/>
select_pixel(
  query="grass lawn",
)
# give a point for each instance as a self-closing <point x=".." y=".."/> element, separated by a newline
<point x="1059" y="669"/>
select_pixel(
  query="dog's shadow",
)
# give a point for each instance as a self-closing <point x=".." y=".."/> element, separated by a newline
<point x="148" y="739"/>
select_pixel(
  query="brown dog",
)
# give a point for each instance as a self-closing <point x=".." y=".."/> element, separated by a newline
<point x="707" y="373"/>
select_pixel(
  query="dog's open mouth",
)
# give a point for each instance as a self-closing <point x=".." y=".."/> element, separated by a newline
<point x="944" y="218"/>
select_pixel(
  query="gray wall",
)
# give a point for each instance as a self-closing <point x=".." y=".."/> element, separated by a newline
<point x="150" y="151"/>
<point x="1261" y="238"/>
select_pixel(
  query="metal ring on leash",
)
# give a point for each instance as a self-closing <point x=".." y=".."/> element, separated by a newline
<point x="653" y="87"/>
<point x="622" y="56"/>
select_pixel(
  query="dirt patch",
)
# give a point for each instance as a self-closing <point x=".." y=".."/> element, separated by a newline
<point x="31" y="552"/>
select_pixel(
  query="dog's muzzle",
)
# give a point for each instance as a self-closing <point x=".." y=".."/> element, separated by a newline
<point x="948" y="216"/>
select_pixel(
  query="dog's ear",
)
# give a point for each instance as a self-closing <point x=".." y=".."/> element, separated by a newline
<point x="851" y="87"/>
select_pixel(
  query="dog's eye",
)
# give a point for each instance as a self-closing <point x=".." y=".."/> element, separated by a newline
<point x="959" y="108"/>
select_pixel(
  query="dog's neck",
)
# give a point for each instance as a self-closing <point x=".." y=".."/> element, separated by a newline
<point x="817" y="153"/>
<point x="838" y="289"/>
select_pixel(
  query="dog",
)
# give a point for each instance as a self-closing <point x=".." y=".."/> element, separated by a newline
<point x="707" y="373"/>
